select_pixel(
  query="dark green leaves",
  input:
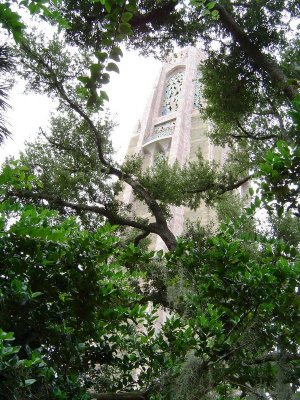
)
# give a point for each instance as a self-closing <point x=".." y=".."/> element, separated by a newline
<point x="280" y="174"/>
<point x="11" y="21"/>
<point x="125" y="28"/>
<point x="112" y="67"/>
<point x="65" y="291"/>
<point x="206" y="7"/>
<point x="116" y="53"/>
<point x="101" y="55"/>
<point x="126" y="17"/>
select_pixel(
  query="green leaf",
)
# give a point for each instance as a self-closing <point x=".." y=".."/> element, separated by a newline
<point x="125" y="28"/>
<point x="101" y="55"/>
<point x="29" y="382"/>
<point x="6" y="335"/>
<point x="116" y="54"/>
<point x="11" y="21"/>
<point x="83" y="79"/>
<point x="107" y="41"/>
<point x="283" y="148"/>
<point x="126" y="16"/>
<point x="36" y="294"/>
<point x="210" y="5"/>
<point x="104" y="78"/>
<point x="257" y="201"/>
<point x="104" y="95"/>
<point x="107" y="6"/>
<point x="196" y="3"/>
<point x="33" y="8"/>
<point x="131" y="8"/>
<point x="112" y="67"/>
<point x="215" y="14"/>
<point x="82" y="91"/>
<point x="95" y="70"/>
<point x="293" y="252"/>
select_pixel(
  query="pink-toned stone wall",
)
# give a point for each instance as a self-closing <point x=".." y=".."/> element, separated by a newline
<point x="184" y="135"/>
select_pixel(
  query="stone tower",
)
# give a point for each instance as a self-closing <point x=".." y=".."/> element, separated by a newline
<point x="172" y="126"/>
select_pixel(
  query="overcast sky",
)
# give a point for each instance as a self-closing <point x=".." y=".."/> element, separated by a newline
<point x="128" y="93"/>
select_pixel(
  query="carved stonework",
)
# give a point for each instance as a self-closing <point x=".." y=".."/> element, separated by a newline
<point x="177" y="57"/>
<point x="161" y="131"/>
<point x="171" y="94"/>
<point x="173" y="129"/>
<point x="197" y="94"/>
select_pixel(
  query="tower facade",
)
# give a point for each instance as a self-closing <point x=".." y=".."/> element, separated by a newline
<point x="172" y="126"/>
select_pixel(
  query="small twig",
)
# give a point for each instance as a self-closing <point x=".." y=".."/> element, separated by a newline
<point x="250" y="136"/>
<point x="273" y="357"/>
<point x="248" y="388"/>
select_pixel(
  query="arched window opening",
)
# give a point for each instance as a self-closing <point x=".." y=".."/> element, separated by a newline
<point x="172" y="92"/>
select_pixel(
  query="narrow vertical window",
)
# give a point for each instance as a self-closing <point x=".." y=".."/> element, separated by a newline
<point x="197" y="94"/>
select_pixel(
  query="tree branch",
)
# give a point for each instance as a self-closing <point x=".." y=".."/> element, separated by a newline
<point x="277" y="115"/>
<point x="121" y="396"/>
<point x="240" y="4"/>
<point x="248" y="388"/>
<point x="112" y="217"/>
<point x="160" y="226"/>
<point x="140" y="237"/>
<point x="259" y="59"/>
<point x="273" y="357"/>
<point x="221" y="189"/>
<point x="158" y="13"/>
<point x="248" y="135"/>
<point x="61" y="146"/>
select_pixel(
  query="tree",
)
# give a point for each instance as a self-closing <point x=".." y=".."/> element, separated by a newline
<point x="226" y="293"/>
<point x="6" y="66"/>
<point x="67" y="303"/>
<point x="254" y="26"/>
<point x="232" y="295"/>
<point x="256" y="52"/>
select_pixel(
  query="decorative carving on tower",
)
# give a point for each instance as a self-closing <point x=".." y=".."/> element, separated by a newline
<point x="172" y="126"/>
<point x="171" y="93"/>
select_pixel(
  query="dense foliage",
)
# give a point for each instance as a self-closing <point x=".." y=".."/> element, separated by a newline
<point x="66" y="301"/>
<point x="6" y="67"/>
<point x="79" y="298"/>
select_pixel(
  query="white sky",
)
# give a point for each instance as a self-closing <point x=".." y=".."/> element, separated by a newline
<point x="128" y="93"/>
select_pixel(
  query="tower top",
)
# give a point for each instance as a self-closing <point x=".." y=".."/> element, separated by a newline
<point x="181" y="55"/>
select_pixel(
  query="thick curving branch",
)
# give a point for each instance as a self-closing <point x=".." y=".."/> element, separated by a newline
<point x="249" y="389"/>
<point x="112" y="217"/>
<point x="140" y="237"/>
<point x="160" y="227"/>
